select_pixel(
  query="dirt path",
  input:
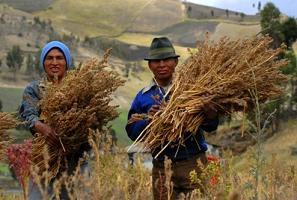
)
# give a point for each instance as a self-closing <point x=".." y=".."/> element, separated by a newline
<point x="4" y="85"/>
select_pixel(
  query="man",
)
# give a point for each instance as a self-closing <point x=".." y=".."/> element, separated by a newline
<point x="55" y="60"/>
<point x="162" y="61"/>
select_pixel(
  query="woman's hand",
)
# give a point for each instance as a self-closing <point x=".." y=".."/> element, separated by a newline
<point x="46" y="131"/>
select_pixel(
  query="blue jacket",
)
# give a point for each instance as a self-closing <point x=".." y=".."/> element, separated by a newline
<point x="194" y="143"/>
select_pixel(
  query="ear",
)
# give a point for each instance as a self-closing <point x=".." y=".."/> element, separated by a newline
<point x="176" y="61"/>
<point x="150" y="65"/>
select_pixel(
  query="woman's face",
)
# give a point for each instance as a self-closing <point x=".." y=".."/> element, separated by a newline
<point x="55" y="64"/>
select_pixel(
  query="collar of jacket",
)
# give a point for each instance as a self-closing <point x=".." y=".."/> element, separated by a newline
<point x="149" y="87"/>
<point x="153" y="84"/>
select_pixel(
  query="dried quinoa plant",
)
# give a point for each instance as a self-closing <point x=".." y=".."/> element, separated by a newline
<point x="224" y="74"/>
<point x="6" y="122"/>
<point x="81" y="102"/>
<point x="111" y="176"/>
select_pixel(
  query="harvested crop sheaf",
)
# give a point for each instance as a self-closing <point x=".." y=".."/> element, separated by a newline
<point x="81" y="102"/>
<point x="6" y="122"/>
<point x="226" y="75"/>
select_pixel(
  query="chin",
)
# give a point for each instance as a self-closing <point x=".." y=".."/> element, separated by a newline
<point x="52" y="75"/>
<point x="164" y="76"/>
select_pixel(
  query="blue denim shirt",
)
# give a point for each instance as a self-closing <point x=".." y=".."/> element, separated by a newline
<point x="193" y="144"/>
<point x="29" y="111"/>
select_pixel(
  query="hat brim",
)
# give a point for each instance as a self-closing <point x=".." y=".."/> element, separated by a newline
<point x="162" y="56"/>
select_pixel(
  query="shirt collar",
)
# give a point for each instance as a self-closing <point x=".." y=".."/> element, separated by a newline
<point x="44" y="83"/>
<point x="153" y="84"/>
<point x="149" y="87"/>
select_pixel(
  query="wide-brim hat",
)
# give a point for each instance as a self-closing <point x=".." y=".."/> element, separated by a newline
<point x="161" y="48"/>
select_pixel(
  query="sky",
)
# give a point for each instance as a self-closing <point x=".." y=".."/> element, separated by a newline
<point x="288" y="7"/>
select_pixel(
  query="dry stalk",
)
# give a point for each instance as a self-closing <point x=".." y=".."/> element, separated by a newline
<point x="222" y="74"/>
<point x="81" y="102"/>
<point x="7" y="121"/>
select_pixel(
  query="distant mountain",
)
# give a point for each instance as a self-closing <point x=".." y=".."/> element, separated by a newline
<point x="28" y="5"/>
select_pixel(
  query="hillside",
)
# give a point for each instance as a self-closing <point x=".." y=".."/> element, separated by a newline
<point x="157" y="15"/>
<point x="281" y="147"/>
<point x="28" y="5"/>
<point x="110" y="18"/>
<point x="196" y="11"/>
<point x="18" y="28"/>
<point x="238" y="30"/>
<point x="188" y="32"/>
<point x="115" y="18"/>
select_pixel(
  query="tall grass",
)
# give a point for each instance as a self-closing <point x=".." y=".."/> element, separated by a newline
<point x="113" y="178"/>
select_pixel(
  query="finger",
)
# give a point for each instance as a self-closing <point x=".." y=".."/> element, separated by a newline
<point x="155" y="106"/>
<point x="51" y="139"/>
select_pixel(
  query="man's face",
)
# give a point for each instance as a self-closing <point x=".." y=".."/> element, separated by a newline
<point x="55" y="64"/>
<point x="163" y="69"/>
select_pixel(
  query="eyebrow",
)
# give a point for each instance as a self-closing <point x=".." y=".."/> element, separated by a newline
<point x="59" y="56"/>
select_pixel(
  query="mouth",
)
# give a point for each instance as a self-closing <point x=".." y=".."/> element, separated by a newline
<point x="163" y="72"/>
<point x="55" y="69"/>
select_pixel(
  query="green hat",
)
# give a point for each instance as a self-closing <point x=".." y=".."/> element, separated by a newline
<point x="161" y="48"/>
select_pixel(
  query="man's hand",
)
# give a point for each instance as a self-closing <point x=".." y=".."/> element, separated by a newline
<point x="153" y="110"/>
<point x="210" y="111"/>
<point x="46" y="131"/>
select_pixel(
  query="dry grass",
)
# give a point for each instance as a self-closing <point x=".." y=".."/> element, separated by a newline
<point x="113" y="178"/>
<point x="93" y="18"/>
<point x="224" y="75"/>
<point x="238" y="31"/>
<point x="81" y="102"/>
<point x="295" y="48"/>
<point x="7" y="121"/>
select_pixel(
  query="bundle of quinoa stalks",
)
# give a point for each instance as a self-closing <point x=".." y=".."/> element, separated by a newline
<point x="80" y="103"/>
<point x="225" y="75"/>
<point x="7" y="121"/>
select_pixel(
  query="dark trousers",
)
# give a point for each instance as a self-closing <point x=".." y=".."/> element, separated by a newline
<point x="180" y="178"/>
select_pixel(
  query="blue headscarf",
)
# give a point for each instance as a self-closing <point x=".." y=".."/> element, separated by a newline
<point x="61" y="46"/>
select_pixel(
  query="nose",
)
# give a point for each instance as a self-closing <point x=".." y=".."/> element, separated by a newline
<point x="162" y="63"/>
<point x="55" y="61"/>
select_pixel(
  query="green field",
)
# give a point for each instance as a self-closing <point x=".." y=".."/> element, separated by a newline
<point x="119" y="126"/>
<point x="11" y="98"/>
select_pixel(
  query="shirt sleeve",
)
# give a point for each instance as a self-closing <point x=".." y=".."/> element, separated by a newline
<point x="29" y="110"/>
<point x="134" y="129"/>
<point x="210" y="125"/>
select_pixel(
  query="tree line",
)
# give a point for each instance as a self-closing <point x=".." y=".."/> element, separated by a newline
<point x="283" y="30"/>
